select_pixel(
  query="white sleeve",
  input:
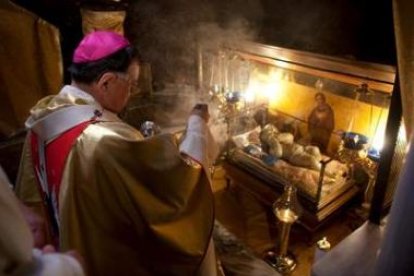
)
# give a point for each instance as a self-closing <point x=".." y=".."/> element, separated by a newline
<point x="199" y="143"/>
<point x="52" y="264"/>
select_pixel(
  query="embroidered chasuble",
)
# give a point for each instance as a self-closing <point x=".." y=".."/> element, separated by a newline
<point x="128" y="205"/>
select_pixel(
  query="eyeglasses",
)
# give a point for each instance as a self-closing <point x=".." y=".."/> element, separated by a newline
<point x="132" y="83"/>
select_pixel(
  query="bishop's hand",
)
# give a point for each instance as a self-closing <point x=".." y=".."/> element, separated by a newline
<point x="202" y="111"/>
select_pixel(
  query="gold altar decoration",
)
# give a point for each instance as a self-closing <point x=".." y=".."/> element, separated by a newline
<point x="102" y="20"/>
<point x="358" y="155"/>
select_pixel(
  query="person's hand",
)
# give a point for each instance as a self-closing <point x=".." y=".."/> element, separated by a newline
<point x="201" y="110"/>
<point x="48" y="249"/>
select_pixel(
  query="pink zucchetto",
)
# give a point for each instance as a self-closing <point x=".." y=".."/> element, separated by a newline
<point x="98" y="45"/>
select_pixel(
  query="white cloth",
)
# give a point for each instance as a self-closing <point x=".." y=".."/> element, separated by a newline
<point x="199" y="143"/>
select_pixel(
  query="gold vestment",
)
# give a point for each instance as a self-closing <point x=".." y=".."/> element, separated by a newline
<point x="128" y="205"/>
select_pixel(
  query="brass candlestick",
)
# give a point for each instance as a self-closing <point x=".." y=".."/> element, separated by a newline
<point x="356" y="154"/>
<point x="370" y="166"/>
<point x="287" y="210"/>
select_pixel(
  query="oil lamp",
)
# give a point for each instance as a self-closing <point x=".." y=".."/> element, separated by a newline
<point x="287" y="210"/>
<point x="370" y="166"/>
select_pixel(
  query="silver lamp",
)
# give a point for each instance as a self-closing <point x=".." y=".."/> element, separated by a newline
<point x="287" y="210"/>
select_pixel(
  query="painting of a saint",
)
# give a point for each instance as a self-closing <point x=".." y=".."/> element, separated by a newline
<point x="321" y="122"/>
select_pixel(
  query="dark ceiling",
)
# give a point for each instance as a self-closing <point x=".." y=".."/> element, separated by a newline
<point x="352" y="29"/>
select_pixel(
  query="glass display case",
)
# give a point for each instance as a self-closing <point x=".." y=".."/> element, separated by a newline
<point x="314" y="121"/>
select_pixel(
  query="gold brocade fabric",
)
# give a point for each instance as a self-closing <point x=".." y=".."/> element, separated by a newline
<point x="102" y="20"/>
<point x="31" y="64"/>
<point x="129" y="206"/>
<point x="404" y="33"/>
